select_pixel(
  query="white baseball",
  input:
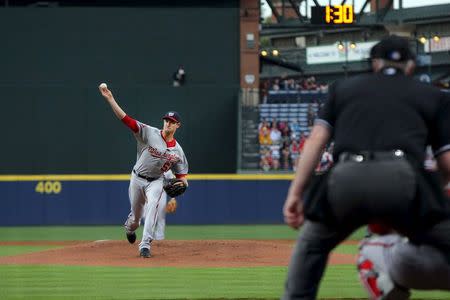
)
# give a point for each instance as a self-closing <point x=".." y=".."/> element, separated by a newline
<point x="103" y="86"/>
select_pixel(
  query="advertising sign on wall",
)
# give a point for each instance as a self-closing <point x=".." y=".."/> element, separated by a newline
<point x="332" y="54"/>
<point x="443" y="44"/>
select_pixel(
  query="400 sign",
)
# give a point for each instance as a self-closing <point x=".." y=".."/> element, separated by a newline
<point x="48" y="187"/>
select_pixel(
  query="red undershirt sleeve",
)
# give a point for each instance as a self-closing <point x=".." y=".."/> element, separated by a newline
<point x="180" y="175"/>
<point x="131" y="123"/>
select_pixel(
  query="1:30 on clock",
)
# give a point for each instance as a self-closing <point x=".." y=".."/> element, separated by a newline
<point x="339" y="14"/>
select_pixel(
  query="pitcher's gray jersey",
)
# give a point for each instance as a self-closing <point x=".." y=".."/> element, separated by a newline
<point x="154" y="156"/>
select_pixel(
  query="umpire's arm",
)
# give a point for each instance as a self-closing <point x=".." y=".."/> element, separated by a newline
<point x="309" y="158"/>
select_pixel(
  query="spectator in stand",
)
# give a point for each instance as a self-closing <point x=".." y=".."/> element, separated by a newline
<point x="284" y="84"/>
<point x="311" y="115"/>
<point x="263" y="123"/>
<point x="275" y="134"/>
<point x="295" y="153"/>
<point x="179" y="77"/>
<point x="285" y="133"/>
<point x="274" y="121"/>
<point x="264" y="136"/>
<point x="264" y="90"/>
<point x="326" y="160"/>
<point x="276" y="85"/>
<point x="306" y="84"/>
<point x="313" y="83"/>
<point x="323" y="88"/>
<point x="298" y="85"/>
<point x="266" y="159"/>
<point x="292" y="84"/>
<point x="295" y="129"/>
<point x="310" y="84"/>
<point x="281" y="125"/>
<point x="301" y="142"/>
<point x="285" y="156"/>
<point x="275" y="151"/>
<point x="331" y="150"/>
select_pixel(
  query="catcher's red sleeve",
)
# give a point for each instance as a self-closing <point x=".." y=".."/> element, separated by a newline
<point x="131" y="123"/>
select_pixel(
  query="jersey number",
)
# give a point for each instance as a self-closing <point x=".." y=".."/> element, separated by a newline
<point x="166" y="166"/>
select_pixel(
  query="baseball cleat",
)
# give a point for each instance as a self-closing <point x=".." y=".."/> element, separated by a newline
<point x="131" y="237"/>
<point x="145" y="253"/>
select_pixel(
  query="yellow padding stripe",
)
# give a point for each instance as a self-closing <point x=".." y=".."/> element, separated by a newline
<point x="241" y="176"/>
<point x="124" y="177"/>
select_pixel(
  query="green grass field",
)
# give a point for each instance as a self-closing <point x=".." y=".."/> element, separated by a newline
<point x="83" y="282"/>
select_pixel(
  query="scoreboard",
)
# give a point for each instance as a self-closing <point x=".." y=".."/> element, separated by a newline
<point x="333" y="14"/>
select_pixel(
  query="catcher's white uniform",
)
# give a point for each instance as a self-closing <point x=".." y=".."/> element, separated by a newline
<point x="389" y="265"/>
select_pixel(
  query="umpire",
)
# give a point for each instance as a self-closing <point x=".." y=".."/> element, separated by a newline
<point x="381" y="124"/>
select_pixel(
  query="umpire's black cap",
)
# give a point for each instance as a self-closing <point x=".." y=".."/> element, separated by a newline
<point x="394" y="48"/>
<point x="173" y="115"/>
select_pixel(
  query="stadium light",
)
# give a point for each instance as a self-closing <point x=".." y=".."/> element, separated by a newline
<point x="344" y="46"/>
<point x="275" y="52"/>
<point x="264" y="53"/>
<point x="430" y="38"/>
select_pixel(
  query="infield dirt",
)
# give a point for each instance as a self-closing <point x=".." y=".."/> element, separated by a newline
<point x="168" y="253"/>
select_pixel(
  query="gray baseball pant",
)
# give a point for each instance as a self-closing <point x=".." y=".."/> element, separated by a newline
<point x="422" y="266"/>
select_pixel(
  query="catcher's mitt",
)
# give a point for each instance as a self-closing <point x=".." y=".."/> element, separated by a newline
<point x="171" y="206"/>
<point x="174" y="187"/>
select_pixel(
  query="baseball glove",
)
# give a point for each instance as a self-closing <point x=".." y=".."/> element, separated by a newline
<point x="171" y="206"/>
<point x="174" y="187"/>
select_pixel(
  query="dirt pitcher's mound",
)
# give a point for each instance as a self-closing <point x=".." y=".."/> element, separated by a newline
<point x="206" y="253"/>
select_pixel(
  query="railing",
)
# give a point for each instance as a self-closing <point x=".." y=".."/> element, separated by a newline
<point x="248" y="119"/>
<point x="296" y="96"/>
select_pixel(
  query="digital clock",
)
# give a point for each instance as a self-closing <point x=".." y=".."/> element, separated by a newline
<point x="332" y="14"/>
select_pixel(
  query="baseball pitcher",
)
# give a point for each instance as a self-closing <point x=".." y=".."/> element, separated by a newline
<point x="157" y="152"/>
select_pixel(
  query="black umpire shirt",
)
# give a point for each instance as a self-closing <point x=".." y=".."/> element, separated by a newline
<point x="381" y="112"/>
<point x="386" y="111"/>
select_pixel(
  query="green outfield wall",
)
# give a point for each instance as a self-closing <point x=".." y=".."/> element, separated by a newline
<point x="52" y="60"/>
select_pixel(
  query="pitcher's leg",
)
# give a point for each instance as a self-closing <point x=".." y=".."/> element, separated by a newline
<point x="309" y="260"/>
<point x="137" y="202"/>
<point x="154" y="193"/>
<point x="161" y="220"/>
